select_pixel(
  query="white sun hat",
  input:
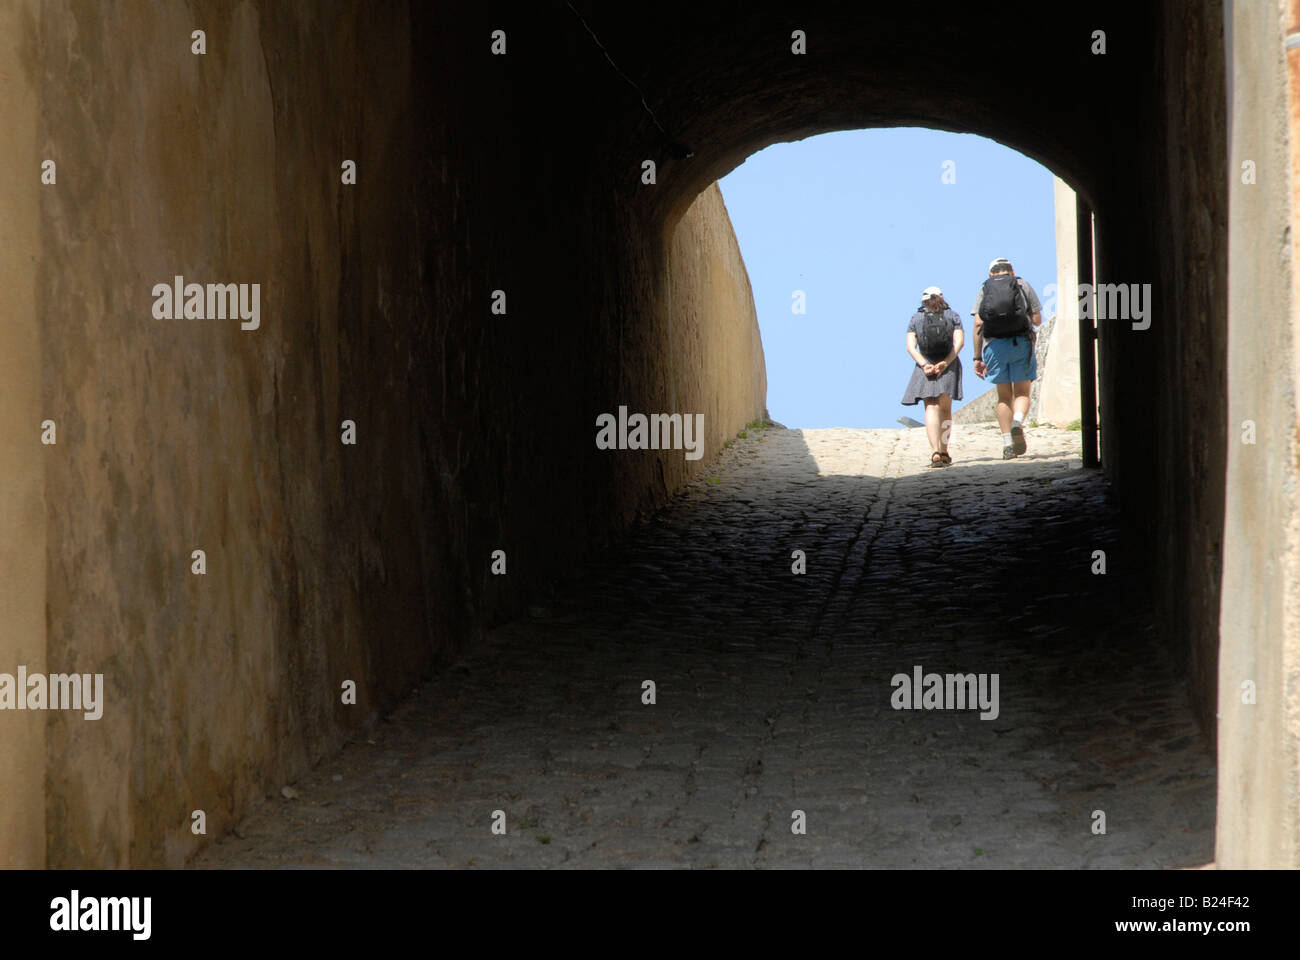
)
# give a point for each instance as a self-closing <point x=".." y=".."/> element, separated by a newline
<point x="1000" y="260"/>
<point x="929" y="292"/>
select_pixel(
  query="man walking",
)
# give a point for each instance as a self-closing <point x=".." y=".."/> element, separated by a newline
<point x="1006" y="311"/>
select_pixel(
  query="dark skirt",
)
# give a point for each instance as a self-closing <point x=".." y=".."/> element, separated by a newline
<point x="921" y="387"/>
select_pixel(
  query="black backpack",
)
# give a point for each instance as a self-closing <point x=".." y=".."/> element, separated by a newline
<point x="1003" y="307"/>
<point x="934" y="335"/>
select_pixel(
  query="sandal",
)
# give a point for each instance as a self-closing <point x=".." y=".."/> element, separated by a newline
<point x="937" y="459"/>
<point x="947" y="460"/>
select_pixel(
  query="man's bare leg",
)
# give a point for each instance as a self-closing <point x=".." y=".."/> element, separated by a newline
<point x="1004" y="407"/>
<point x="1021" y="402"/>
<point x="1021" y="405"/>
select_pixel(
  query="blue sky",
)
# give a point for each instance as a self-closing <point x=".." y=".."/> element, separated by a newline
<point x="862" y="222"/>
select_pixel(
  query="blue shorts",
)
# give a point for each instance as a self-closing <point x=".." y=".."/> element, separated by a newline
<point x="1010" y="362"/>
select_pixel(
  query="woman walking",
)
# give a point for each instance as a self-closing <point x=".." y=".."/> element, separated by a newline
<point x="934" y="338"/>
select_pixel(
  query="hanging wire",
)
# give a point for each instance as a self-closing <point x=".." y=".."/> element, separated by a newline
<point x="681" y="149"/>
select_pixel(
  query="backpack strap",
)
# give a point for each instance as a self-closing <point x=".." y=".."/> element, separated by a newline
<point x="1020" y="292"/>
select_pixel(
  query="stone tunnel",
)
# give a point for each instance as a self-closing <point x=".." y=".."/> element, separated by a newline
<point x="461" y="266"/>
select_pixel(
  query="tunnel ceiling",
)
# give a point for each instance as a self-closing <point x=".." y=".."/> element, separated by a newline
<point x="722" y="80"/>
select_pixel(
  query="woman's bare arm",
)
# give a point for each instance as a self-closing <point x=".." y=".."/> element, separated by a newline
<point x="914" y="350"/>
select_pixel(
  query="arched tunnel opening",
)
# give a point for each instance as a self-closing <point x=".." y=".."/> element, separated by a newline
<point x="841" y="234"/>
<point x="362" y="583"/>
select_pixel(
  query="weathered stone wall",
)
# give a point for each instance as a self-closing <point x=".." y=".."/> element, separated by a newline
<point x="22" y="458"/>
<point x="1058" y="401"/>
<point x="1187" y="230"/>
<point x="177" y="435"/>
<point x="709" y="336"/>
<point x="1259" y="656"/>
<point x="541" y="195"/>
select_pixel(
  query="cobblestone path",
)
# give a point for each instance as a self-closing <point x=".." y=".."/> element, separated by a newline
<point x="774" y="690"/>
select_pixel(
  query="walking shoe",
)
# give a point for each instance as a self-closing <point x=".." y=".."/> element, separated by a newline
<point x="1018" y="438"/>
<point x="1008" y="453"/>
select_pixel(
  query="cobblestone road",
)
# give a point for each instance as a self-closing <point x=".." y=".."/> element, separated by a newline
<point x="774" y="693"/>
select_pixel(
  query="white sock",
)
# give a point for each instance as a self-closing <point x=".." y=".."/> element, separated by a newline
<point x="1018" y="418"/>
<point x="1006" y="439"/>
